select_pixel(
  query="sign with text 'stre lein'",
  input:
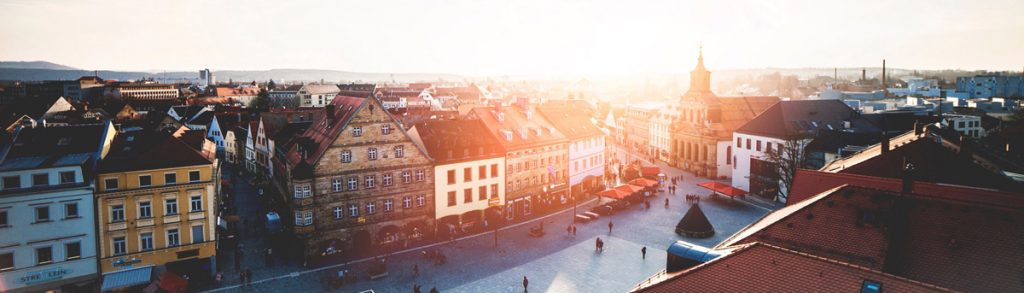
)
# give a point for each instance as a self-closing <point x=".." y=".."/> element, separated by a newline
<point x="46" y="275"/>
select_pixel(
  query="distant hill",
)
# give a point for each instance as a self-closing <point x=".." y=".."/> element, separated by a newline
<point x="34" y="65"/>
<point x="41" y="70"/>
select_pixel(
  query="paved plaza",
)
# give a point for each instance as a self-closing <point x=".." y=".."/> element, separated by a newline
<point x="555" y="262"/>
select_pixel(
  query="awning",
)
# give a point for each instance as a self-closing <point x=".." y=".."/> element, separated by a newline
<point x="126" y="278"/>
<point x="723" y="189"/>
<point x="629" y="188"/>
<point x="644" y="182"/>
<point x="614" y="193"/>
<point x="650" y="171"/>
<point x="173" y="283"/>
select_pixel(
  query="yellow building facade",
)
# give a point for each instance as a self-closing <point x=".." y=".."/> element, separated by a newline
<point x="152" y="217"/>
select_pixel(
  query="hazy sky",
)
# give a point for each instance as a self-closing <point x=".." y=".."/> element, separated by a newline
<point x="513" y="37"/>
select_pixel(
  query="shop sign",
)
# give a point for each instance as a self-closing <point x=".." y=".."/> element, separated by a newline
<point x="47" y="275"/>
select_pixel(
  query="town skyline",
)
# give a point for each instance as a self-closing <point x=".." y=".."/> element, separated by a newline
<point x="505" y="38"/>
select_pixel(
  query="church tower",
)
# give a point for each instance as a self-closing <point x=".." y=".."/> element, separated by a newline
<point x="700" y="77"/>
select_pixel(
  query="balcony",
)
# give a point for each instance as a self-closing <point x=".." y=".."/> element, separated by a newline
<point x="144" y="222"/>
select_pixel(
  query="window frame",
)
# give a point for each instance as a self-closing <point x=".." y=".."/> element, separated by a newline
<point x="143" y="240"/>
<point x="36" y="214"/>
<point x="173" y="176"/>
<point x="192" y="203"/>
<point x="117" y="213"/>
<point x="168" y="203"/>
<point x="175" y="240"/>
<point x="60" y="177"/>
<point x="44" y="176"/>
<point x="67" y="250"/>
<point x="39" y="261"/>
<point x="67" y="211"/>
<point x="199" y="176"/>
<point x="116" y="242"/>
<point x="148" y="177"/>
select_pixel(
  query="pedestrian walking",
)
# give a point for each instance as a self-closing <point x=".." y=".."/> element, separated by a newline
<point x="526" y="284"/>
<point x="248" y="276"/>
<point x="610" y="225"/>
<point x="568" y="230"/>
<point x="643" y="252"/>
<point x="666" y="202"/>
<point x="415" y="270"/>
<point x="241" y="277"/>
<point x="415" y="288"/>
<point x="219" y="278"/>
<point x="433" y="290"/>
<point x="597" y="244"/>
<point x="574" y="230"/>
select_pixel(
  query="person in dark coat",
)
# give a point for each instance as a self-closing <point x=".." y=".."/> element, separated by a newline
<point x="643" y="252"/>
<point x="433" y="290"/>
<point x="526" y="284"/>
<point x="610" y="225"/>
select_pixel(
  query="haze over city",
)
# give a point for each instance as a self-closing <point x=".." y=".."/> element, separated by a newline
<point x="537" y="38"/>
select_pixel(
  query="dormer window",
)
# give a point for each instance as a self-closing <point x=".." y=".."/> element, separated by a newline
<point x="357" y="131"/>
<point x="385" y="129"/>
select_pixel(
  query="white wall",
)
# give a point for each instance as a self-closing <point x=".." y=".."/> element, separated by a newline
<point x="741" y="173"/>
<point x="441" y="186"/>
<point x="725" y="165"/>
<point x="586" y="158"/>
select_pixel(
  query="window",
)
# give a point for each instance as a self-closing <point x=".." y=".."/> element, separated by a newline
<point x="385" y="129"/>
<point x="421" y="200"/>
<point x="346" y="156"/>
<point x="338" y="212"/>
<point x="386" y="179"/>
<point x="420" y="175"/>
<point x="371" y="153"/>
<point x="170" y="178"/>
<point x="302" y="191"/>
<point x="44" y="255"/>
<point x="197" y="234"/>
<point x="67" y="177"/>
<point x="6" y="261"/>
<point x="42" y="214"/>
<point x="728" y="155"/>
<point x="12" y="182"/>
<point x="494" y="190"/>
<point x="407" y="202"/>
<point x="193" y="176"/>
<point x="371" y="208"/>
<point x="451" y="198"/>
<point x="40" y="179"/>
<point x="116" y="213"/>
<point x="110" y="183"/>
<point x="494" y="170"/>
<point x="72" y="250"/>
<point x="3" y="218"/>
<point x="870" y="286"/>
<point x="483" y="193"/>
<point x="336" y="184"/>
<point x="146" y="241"/>
<point x="748" y="143"/>
<point x="70" y="210"/>
<point x="173" y="239"/>
<point x="467" y="195"/>
<point x="399" y="151"/>
<point x="171" y="206"/>
<point x="196" y="203"/>
<point x="759" y="145"/>
<point x="353" y="183"/>
<point x="357" y="131"/>
<point x="119" y="246"/>
<point x="353" y="210"/>
<point x="369" y="181"/>
<point x="451" y="177"/>
<point x="145" y="181"/>
<point x="145" y="211"/>
<point x="406" y="176"/>
<point x="467" y="174"/>
<point x="389" y="205"/>
<point x="768" y="147"/>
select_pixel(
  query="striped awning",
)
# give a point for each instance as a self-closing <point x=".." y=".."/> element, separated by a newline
<point x="126" y="278"/>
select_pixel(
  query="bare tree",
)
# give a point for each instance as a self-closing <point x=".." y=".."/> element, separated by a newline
<point x="786" y="158"/>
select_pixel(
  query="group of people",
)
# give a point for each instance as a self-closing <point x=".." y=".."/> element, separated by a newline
<point x="599" y="245"/>
<point x="416" y="289"/>
<point x="692" y="198"/>
<point x="571" y="230"/>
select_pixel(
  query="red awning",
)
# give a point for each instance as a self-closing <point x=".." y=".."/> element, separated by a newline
<point x="173" y="283"/>
<point x="651" y="171"/>
<point x="723" y="189"/>
<point x="629" y="188"/>
<point x="644" y="182"/>
<point x="614" y="193"/>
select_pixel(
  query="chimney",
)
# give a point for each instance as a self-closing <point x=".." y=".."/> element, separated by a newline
<point x="883" y="76"/>
<point x="863" y="74"/>
<point x="908" y="179"/>
<point x="918" y="128"/>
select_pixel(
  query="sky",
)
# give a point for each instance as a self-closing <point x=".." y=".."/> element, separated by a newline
<point x="521" y="37"/>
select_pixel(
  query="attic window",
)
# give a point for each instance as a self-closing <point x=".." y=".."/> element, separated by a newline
<point x="64" y="141"/>
<point x="870" y="286"/>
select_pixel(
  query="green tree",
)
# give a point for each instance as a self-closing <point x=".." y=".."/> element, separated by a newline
<point x="262" y="102"/>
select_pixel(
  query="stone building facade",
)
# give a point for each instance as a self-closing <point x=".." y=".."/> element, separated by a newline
<point x="357" y="181"/>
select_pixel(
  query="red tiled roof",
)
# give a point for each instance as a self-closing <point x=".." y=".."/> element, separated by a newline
<point x="323" y="134"/>
<point x="945" y="240"/>
<point x="808" y="183"/>
<point x="230" y="91"/>
<point x="766" y="268"/>
<point x="517" y="122"/>
<point x="570" y="121"/>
